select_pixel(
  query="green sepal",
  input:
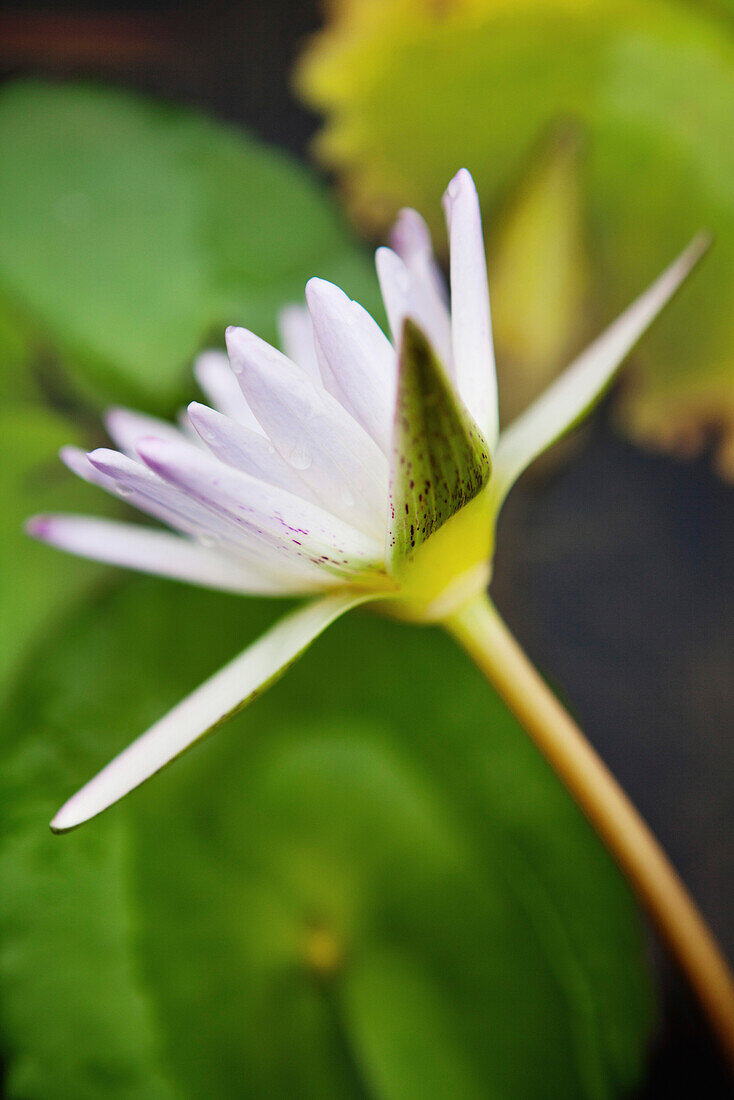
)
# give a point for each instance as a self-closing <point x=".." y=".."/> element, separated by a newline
<point x="440" y="459"/>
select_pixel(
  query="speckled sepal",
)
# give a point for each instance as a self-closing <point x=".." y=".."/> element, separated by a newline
<point x="440" y="459"/>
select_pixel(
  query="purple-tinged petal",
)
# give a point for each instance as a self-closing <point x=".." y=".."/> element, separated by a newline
<point x="136" y="484"/>
<point x="264" y="514"/>
<point x="410" y="236"/>
<point x="149" y="551"/>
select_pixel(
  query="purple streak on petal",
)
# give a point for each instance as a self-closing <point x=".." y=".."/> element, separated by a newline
<point x="263" y="512"/>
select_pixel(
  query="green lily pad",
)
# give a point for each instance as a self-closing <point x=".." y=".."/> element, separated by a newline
<point x="35" y="590"/>
<point x="132" y="233"/>
<point x="357" y="887"/>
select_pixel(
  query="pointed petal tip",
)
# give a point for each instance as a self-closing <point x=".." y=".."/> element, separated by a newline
<point x="698" y="247"/>
<point x="387" y="259"/>
<point x="413" y="337"/>
<point x="321" y="294"/>
<point x="105" y="459"/>
<point x="74" y="813"/>
<point x="239" y="334"/>
<point x="153" y="450"/>
<point x="233" y="339"/>
<point x="114" y="414"/>
<point x="461" y="183"/>
<point x="410" y="234"/>
<point x="201" y="417"/>
<point x="576" y="391"/>
<point x="74" y="458"/>
<point x="39" y="527"/>
<point x="415" y="341"/>
<point x="409" y="218"/>
<point x="61" y="823"/>
<point x="242" y="344"/>
<point x="221" y="696"/>
<point x="197" y="410"/>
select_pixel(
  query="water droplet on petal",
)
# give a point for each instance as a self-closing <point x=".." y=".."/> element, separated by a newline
<point x="207" y="541"/>
<point x="300" y="457"/>
<point x="122" y="489"/>
<point x="347" y="497"/>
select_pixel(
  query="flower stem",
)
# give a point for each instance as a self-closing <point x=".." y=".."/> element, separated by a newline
<point x="479" y="629"/>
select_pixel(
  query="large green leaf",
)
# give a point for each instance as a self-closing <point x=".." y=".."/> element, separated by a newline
<point x="367" y="884"/>
<point x="131" y="233"/>
<point x="412" y="90"/>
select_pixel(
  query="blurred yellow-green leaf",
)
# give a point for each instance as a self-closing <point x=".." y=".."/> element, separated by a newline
<point x="412" y="89"/>
<point x="353" y="889"/>
<point x="16" y="377"/>
<point x="539" y="273"/>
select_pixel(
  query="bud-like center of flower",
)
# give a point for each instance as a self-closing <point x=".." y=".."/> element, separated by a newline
<point x="450" y="568"/>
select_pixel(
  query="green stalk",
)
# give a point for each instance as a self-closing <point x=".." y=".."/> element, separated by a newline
<point x="479" y="629"/>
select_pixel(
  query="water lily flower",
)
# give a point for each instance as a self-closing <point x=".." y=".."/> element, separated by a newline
<point x="349" y="467"/>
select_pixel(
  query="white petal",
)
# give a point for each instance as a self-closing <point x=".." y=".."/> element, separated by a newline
<point x="407" y="294"/>
<point x="225" y="693"/>
<point x="297" y="341"/>
<point x="214" y="375"/>
<point x="358" y="363"/>
<point x="570" y="397"/>
<point x="264" y="514"/>
<point x="244" y="449"/>
<point x="471" y="327"/>
<point x="126" y="427"/>
<point x="312" y="431"/>
<point x="255" y="455"/>
<point x="150" y="551"/>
